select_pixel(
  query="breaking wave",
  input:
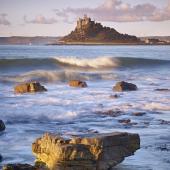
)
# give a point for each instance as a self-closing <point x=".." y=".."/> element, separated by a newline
<point x="54" y="76"/>
<point x="76" y="62"/>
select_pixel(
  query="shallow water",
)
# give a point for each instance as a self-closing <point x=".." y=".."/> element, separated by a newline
<point x="71" y="111"/>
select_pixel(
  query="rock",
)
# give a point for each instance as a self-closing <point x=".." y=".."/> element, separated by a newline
<point x="115" y="96"/>
<point x="96" y="152"/>
<point x="2" y="126"/>
<point x="1" y="157"/>
<point x="124" y="86"/>
<point x="164" y="122"/>
<point x="77" y="83"/>
<point x="162" y="90"/>
<point x="112" y="113"/>
<point x="124" y="121"/>
<point x="29" y="87"/>
<point x="18" y="167"/>
<point x="24" y="167"/>
<point x="138" y="113"/>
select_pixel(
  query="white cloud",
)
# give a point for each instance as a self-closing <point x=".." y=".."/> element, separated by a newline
<point x="4" y="20"/>
<point x="40" y="19"/>
<point x="118" y="11"/>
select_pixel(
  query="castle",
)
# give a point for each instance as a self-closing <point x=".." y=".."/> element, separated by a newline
<point x="83" y="22"/>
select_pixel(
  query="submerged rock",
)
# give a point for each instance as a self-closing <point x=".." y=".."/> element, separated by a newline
<point x="2" y="126"/>
<point x="29" y="87"/>
<point x="77" y="83"/>
<point x="124" y="86"/>
<point x="97" y="152"/>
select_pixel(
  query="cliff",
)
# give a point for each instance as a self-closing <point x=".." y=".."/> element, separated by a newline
<point x="91" y="32"/>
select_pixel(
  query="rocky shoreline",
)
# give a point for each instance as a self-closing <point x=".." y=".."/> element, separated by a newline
<point x="88" y="152"/>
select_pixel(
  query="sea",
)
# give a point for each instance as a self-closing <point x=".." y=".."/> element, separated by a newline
<point x="70" y="111"/>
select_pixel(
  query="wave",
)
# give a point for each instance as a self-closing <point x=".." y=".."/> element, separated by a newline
<point x="55" y="76"/>
<point x="79" y="63"/>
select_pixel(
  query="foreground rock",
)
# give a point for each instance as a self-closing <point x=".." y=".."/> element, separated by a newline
<point x="124" y="86"/>
<point x="29" y="87"/>
<point x="2" y="126"/>
<point x="77" y="83"/>
<point x="100" y="152"/>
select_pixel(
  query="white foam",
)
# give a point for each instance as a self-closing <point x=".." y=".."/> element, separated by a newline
<point x="98" y="62"/>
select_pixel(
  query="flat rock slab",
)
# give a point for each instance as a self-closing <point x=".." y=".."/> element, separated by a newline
<point x="97" y="152"/>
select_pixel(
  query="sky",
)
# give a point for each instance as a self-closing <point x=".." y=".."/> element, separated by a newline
<point x="58" y="17"/>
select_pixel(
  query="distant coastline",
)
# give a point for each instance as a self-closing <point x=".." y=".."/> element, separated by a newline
<point x="41" y="40"/>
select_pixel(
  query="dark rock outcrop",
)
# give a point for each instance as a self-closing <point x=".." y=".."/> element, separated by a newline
<point x="29" y="87"/>
<point x="2" y="126"/>
<point x="124" y="86"/>
<point x="98" y="152"/>
<point x="77" y="83"/>
<point x="88" y="31"/>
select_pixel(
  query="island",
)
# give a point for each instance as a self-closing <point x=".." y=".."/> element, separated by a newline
<point x="91" y="32"/>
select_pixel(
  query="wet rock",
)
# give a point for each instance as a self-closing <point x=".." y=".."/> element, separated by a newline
<point x="138" y="113"/>
<point x="164" y="147"/>
<point x="112" y="113"/>
<point x="115" y="96"/>
<point x="162" y="90"/>
<point x="77" y="83"/>
<point x="2" y="126"/>
<point x="37" y="166"/>
<point x="0" y="157"/>
<point x="96" y="152"/>
<point x="124" y="86"/>
<point x="19" y="167"/>
<point x="164" y="122"/>
<point x="124" y="121"/>
<point x="29" y="87"/>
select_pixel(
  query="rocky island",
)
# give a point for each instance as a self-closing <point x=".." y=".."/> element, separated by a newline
<point x="91" y="32"/>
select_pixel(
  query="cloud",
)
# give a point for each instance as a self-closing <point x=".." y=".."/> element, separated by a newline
<point x="118" y="11"/>
<point x="3" y="20"/>
<point x="40" y="19"/>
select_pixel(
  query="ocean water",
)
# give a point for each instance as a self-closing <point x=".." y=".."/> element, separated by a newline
<point x="72" y="111"/>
